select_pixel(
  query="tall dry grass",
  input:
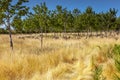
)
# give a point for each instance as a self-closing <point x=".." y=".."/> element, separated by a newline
<point x="74" y="59"/>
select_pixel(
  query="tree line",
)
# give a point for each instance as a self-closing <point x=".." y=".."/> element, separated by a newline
<point x="64" y="20"/>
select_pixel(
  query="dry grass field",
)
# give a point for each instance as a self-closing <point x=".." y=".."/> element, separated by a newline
<point x="72" y="59"/>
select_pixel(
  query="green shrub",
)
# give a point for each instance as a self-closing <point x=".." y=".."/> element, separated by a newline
<point x="116" y="57"/>
<point x="97" y="73"/>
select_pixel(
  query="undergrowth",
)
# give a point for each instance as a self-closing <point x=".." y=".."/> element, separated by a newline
<point x="116" y="56"/>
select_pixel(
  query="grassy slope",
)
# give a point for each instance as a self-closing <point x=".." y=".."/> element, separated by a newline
<point x="59" y="60"/>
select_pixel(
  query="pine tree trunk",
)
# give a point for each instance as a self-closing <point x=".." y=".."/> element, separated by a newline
<point x="45" y="32"/>
<point x="10" y="35"/>
<point x="64" y="30"/>
<point x="41" y="39"/>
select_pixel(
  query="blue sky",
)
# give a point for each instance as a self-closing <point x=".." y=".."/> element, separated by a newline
<point x="97" y="5"/>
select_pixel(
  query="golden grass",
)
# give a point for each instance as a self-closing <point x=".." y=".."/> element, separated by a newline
<point x="73" y="59"/>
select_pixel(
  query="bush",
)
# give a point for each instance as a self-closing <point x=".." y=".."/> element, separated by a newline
<point x="97" y="73"/>
<point x="116" y="57"/>
<point x="3" y="31"/>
